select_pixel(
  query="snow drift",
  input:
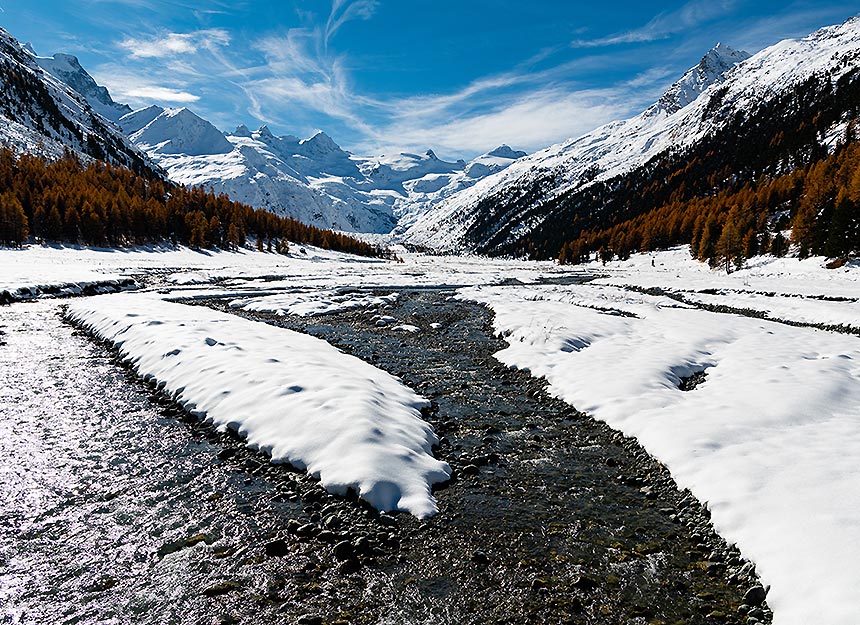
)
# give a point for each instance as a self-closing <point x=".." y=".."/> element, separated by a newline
<point x="770" y="438"/>
<point x="292" y="396"/>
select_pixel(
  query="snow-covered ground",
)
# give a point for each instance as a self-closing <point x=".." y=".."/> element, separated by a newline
<point x="293" y="396"/>
<point x="305" y="267"/>
<point x="313" y="303"/>
<point x="769" y="439"/>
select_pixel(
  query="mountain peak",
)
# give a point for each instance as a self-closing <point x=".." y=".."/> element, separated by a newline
<point x="321" y="143"/>
<point x="176" y="131"/>
<point x="242" y="131"/>
<point x="721" y="58"/>
<point x="506" y="151"/>
<point x="67" y="69"/>
<point x="710" y="70"/>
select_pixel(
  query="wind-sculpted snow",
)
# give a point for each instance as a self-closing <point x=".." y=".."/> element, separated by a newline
<point x="770" y="439"/>
<point x="293" y="396"/>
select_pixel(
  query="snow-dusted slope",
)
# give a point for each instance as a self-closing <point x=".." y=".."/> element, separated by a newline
<point x="177" y="131"/>
<point x="728" y="83"/>
<point x="709" y="71"/>
<point x="67" y="69"/>
<point x="41" y="114"/>
<point x="313" y="180"/>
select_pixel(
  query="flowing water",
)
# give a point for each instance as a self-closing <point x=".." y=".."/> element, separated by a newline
<point x="115" y="508"/>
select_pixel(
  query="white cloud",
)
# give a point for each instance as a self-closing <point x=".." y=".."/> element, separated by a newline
<point x="137" y="90"/>
<point x="173" y="44"/>
<point x="343" y="11"/>
<point x="530" y="120"/>
<point x="664" y="25"/>
<point x="160" y="94"/>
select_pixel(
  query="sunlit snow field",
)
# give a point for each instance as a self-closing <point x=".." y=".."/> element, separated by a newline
<point x="769" y="439"/>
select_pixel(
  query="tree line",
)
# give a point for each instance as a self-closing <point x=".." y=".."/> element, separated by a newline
<point x="820" y="203"/>
<point x="747" y="148"/>
<point x="100" y="204"/>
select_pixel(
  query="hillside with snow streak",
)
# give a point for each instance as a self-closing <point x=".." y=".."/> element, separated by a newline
<point x="292" y="396"/>
<point x="504" y="208"/>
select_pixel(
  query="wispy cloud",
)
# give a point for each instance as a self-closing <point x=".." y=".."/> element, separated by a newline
<point x="343" y="11"/>
<point x="160" y="94"/>
<point x="130" y="87"/>
<point x="299" y="79"/>
<point x="526" y="107"/>
<point x="173" y="44"/>
<point x="664" y="25"/>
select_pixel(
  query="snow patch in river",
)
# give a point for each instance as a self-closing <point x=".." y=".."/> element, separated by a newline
<point x="290" y="395"/>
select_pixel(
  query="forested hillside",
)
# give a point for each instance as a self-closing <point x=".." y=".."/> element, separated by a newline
<point x="820" y="203"/>
<point x="102" y="204"/>
<point x="675" y="195"/>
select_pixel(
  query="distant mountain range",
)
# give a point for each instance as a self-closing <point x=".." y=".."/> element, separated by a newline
<point x="313" y="180"/>
<point x="721" y="116"/>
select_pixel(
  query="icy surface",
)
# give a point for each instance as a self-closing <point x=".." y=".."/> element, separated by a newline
<point x="293" y="396"/>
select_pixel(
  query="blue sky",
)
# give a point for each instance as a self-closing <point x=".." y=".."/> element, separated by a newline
<point x="457" y="76"/>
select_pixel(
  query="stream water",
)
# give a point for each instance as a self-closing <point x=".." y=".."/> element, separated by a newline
<point x="116" y="508"/>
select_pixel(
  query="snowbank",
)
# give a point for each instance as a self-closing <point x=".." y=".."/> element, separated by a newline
<point x="770" y="439"/>
<point x="313" y="303"/>
<point x="292" y="396"/>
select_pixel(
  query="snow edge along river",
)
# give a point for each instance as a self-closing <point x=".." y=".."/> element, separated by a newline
<point x="294" y="397"/>
<point x="770" y="438"/>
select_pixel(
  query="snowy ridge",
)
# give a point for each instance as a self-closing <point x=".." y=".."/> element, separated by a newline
<point x="293" y="396"/>
<point x="41" y="114"/>
<point x="312" y="179"/>
<point x="622" y="146"/>
<point x="67" y="69"/>
<point x="710" y="71"/>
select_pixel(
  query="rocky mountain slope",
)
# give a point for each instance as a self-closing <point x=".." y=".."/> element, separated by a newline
<point x="42" y="114"/>
<point x="719" y="110"/>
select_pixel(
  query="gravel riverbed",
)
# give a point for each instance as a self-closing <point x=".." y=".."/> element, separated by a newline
<point x="119" y="508"/>
<point x="552" y="516"/>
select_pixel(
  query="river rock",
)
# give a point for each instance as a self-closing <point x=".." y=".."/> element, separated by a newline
<point x="755" y="596"/>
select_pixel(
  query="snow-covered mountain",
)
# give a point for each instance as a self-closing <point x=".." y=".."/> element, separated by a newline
<point x="67" y="69"/>
<point x="313" y="179"/>
<point x="727" y="85"/>
<point x="710" y="71"/>
<point x="50" y="104"/>
<point x="41" y="113"/>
